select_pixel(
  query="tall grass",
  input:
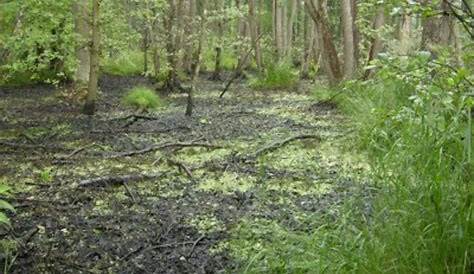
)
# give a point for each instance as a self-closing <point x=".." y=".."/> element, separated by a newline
<point x="414" y="122"/>
<point x="126" y="64"/>
<point x="276" y="76"/>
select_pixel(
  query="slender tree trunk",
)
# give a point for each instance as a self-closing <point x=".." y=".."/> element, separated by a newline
<point x="348" y="35"/>
<point x="438" y="30"/>
<point x="291" y="25"/>
<point x="253" y="25"/>
<point x="376" y="44"/>
<point x="405" y="33"/>
<point x="218" y="49"/>
<point x="89" y="106"/>
<point x="355" y="14"/>
<point x="329" y="52"/>
<point x="197" y="57"/>
<point x="145" y="50"/>
<point x="81" y="22"/>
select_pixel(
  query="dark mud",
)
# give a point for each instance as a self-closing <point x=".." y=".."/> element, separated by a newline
<point x="175" y="223"/>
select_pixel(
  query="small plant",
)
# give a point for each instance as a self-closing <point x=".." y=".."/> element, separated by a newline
<point x="279" y="76"/>
<point x="5" y="206"/>
<point x="142" y="98"/>
<point x="46" y="175"/>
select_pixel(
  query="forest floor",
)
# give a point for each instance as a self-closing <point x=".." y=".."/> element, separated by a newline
<point x="182" y="195"/>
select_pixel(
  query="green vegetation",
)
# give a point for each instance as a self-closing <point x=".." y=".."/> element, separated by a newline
<point x="143" y="99"/>
<point x="4" y="205"/>
<point x="126" y="64"/>
<point x="276" y="76"/>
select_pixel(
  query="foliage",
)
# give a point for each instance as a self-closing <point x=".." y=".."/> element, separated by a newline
<point x="277" y="76"/>
<point x="39" y="44"/>
<point x="4" y="205"/>
<point x="415" y="121"/>
<point x="126" y="64"/>
<point x="142" y="98"/>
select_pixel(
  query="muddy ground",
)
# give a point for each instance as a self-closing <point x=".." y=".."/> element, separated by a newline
<point x="210" y="176"/>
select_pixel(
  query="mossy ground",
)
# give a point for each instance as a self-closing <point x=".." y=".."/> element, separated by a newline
<point x="219" y="218"/>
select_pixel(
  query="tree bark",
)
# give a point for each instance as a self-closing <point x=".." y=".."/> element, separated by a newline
<point x="81" y="22"/>
<point x="376" y="44"/>
<point x="331" y="60"/>
<point x="348" y="36"/>
<point x="89" y="106"/>
<point x="253" y="25"/>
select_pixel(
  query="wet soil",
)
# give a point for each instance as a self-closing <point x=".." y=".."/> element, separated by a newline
<point x="175" y="222"/>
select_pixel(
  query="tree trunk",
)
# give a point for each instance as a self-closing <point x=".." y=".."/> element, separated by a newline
<point x="438" y="31"/>
<point x="376" y="44"/>
<point x="218" y="49"/>
<point x="89" y="106"/>
<point x="291" y="25"/>
<point x="348" y="35"/>
<point x="329" y="52"/>
<point x="253" y="25"/>
<point x="81" y="22"/>
<point x="405" y="34"/>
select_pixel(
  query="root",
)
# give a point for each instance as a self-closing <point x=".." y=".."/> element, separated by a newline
<point x="116" y="180"/>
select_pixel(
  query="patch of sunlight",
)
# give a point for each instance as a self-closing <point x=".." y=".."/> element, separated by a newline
<point x="101" y="207"/>
<point x="349" y="163"/>
<point x="294" y="158"/>
<point x="299" y="187"/>
<point x="206" y="223"/>
<point x="202" y="155"/>
<point x="228" y="182"/>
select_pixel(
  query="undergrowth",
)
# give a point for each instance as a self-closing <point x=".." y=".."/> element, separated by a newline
<point x="126" y="64"/>
<point x="414" y="121"/>
<point x="277" y="76"/>
<point x="143" y="99"/>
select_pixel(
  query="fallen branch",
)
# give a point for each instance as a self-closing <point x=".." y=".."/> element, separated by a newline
<point x="158" y="147"/>
<point x="116" y="180"/>
<point x="279" y="144"/>
<point x="74" y="152"/>
<point x="182" y="167"/>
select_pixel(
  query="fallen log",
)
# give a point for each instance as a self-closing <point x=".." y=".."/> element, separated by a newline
<point x="284" y="142"/>
<point x="116" y="180"/>
<point x="158" y="147"/>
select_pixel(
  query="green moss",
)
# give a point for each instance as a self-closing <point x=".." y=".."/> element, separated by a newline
<point x="206" y="223"/>
<point x="228" y="182"/>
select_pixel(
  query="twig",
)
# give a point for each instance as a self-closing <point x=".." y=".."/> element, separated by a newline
<point x="129" y="192"/>
<point x="182" y="167"/>
<point x="279" y="144"/>
<point x="158" y="147"/>
<point x="76" y="151"/>
<point x="195" y="244"/>
<point x="116" y="180"/>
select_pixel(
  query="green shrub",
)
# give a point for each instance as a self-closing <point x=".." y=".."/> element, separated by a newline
<point x="277" y="76"/>
<point x="142" y="98"/>
<point x="126" y="64"/>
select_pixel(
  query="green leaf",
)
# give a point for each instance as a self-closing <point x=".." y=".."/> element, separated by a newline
<point x="4" y="219"/>
<point x="6" y="205"/>
<point x="4" y="189"/>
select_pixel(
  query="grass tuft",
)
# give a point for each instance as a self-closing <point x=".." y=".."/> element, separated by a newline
<point x="278" y="76"/>
<point x="142" y="98"/>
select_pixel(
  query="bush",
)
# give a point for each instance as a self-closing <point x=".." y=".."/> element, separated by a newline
<point x="126" y="64"/>
<point x="277" y="76"/>
<point x="142" y="98"/>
